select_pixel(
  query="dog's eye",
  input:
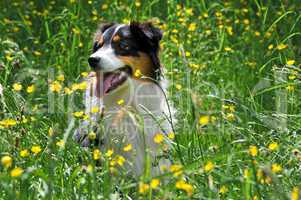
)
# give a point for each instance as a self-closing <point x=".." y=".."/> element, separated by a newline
<point x="124" y="45"/>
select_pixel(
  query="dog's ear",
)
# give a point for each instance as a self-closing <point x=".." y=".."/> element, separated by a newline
<point x="148" y="37"/>
<point x="103" y="27"/>
<point x="146" y="34"/>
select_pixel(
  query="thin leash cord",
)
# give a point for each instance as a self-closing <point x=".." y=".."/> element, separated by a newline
<point x="170" y="115"/>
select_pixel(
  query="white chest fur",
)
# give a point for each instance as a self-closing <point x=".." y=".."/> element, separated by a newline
<point x="133" y="114"/>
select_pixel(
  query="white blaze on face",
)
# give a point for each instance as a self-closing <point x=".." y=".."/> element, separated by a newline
<point x="108" y="59"/>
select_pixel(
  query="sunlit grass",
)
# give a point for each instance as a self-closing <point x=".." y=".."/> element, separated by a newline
<point x="234" y="78"/>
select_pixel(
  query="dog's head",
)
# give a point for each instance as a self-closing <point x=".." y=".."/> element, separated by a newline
<point x="121" y="51"/>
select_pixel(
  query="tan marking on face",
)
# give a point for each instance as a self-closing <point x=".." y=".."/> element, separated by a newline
<point x="116" y="38"/>
<point x="99" y="39"/>
<point x="142" y="63"/>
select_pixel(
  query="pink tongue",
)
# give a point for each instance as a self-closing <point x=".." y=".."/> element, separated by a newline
<point x="107" y="83"/>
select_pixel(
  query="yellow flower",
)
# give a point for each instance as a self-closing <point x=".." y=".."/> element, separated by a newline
<point x="96" y="154"/>
<point x="232" y="108"/>
<point x="84" y="74"/>
<point x="8" y="123"/>
<point x="37" y="53"/>
<point x="137" y="73"/>
<point x="290" y="62"/>
<point x="246" y="21"/>
<point x="83" y="85"/>
<point x="178" y="86"/>
<point x="50" y="132"/>
<point x="76" y="31"/>
<point x="24" y="153"/>
<point x="60" y="143"/>
<point x="104" y="6"/>
<point x="89" y="168"/>
<point x="276" y="168"/>
<point x="95" y="109"/>
<point x="120" y="160"/>
<point x="182" y="185"/>
<point x="295" y="193"/>
<point x="228" y="49"/>
<point x="270" y="46"/>
<point x="17" y="87"/>
<point x="92" y="135"/>
<point x="137" y="3"/>
<point x="187" y="54"/>
<point x="109" y="153"/>
<point x="290" y="88"/>
<point x="16" y="172"/>
<point x="30" y="89"/>
<point x="128" y="147"/>
<point x="6" y="161"/>
<point x="120" y="102"/>
<point x="143" y="187"/>
<point x="253" y="151"/>
<point x="9" y="57"/>
<point x="192" y="27"/>
<point x="223" y="189"/>
<point x="282" y="46"/>
<point x="273" y="146"/>
<point x="176" y="170"/>
<point x="292" y="77"/>
<point x="36" y="149"/>
<point x="229" y="30"/>
<point x="171" y="135"/>
<point x="78" y="114"/>
<point x="158" y="138"/>
<point x="246" y="173"/>
<point x="209" y="166"/>
<point x="204" y="120"/>
<point x="67" y="90"/>
<point x="55" y="86"/>
<point x="230" y="117"/>
<point x="154" y="183"/>
<point x="257" y="33"/>
<point x="60" y="77"/>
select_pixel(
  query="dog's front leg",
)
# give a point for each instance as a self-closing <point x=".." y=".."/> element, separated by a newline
<point x="93" y="109"/>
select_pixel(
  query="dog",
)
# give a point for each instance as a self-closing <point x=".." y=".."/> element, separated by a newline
<point x="128" y="87"/>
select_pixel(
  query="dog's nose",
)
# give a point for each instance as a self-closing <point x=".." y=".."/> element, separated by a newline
<point x="94" y="62"/>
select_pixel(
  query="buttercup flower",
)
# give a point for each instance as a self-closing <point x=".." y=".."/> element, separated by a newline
<point x="204" y="120"/>
<point x="128" y="148"/>
<point x="181" y="184"/>
<point x="273" y="146"/>
<point x="154" y="183"/>
<point x="36" y="149"/>
<point x="209" y="166"/>
<point x="17" y="87"/>
<point x="96" y="154"/>
<point x="24" y="153"/>
<point x="158" y="138"/>
<point x="143" y="187"/>
<point x="6" y="161"/>
<point x="253" y="150"/>
<point x="16" y="172"/>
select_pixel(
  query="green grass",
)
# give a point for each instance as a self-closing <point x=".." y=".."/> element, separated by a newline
<point x="231" y="76"/>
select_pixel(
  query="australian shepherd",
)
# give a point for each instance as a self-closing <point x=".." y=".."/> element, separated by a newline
<point x="126" y="99"/>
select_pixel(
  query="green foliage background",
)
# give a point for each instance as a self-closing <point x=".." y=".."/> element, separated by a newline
<point x="225" y="63"/>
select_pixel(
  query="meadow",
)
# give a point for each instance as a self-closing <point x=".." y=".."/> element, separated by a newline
<point x="234" y="74"/>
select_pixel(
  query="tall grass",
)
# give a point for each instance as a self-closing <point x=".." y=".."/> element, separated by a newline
<point x="234" y="80"/>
